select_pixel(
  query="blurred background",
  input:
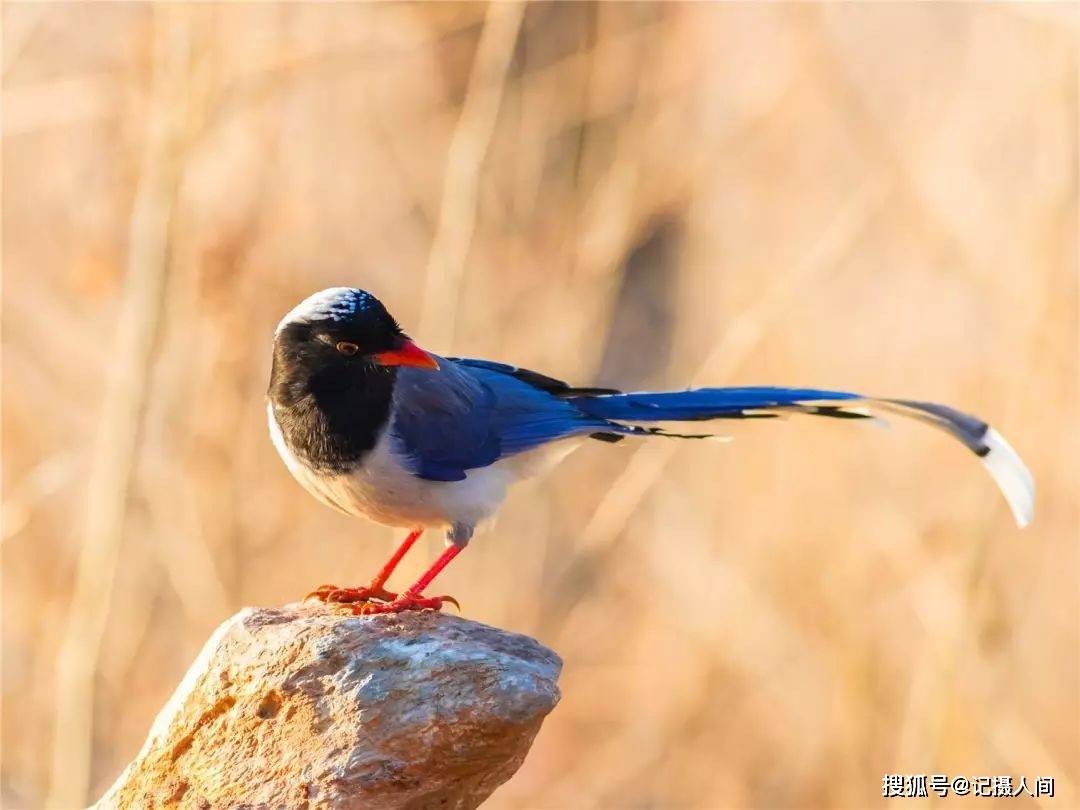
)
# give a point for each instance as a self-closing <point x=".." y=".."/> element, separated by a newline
<point x="874" y="197"/>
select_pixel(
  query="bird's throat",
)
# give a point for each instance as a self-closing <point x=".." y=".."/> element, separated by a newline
<point x="330" y="420"/>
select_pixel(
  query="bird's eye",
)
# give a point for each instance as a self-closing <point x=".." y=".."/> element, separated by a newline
<point x="347" y="348"/>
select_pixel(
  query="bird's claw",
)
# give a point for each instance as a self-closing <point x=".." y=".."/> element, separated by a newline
<point x="332" y="594"/>
<point x="405" y="602"/>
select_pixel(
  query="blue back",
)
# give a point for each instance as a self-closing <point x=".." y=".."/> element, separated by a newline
<point x="465" y="416"/>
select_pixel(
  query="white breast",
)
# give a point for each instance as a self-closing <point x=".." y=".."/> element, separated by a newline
<point x="382" y="489"/>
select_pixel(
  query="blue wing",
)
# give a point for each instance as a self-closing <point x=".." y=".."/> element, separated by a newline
<point x="470" y="414"/>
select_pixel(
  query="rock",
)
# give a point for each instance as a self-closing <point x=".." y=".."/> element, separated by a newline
<point x="306" y="706"/>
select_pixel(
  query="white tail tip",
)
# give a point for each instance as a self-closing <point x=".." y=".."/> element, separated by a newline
<point x="1011" y="476"/>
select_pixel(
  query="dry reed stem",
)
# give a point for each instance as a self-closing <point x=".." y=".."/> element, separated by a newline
<point x="125" y="395"/>
<point x="445" y="273"/>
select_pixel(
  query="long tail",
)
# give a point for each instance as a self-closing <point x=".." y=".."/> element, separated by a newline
<point x="1003" y="463"/>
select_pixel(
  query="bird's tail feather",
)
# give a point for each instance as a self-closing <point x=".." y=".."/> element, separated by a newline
<point x="1002" y="462"/>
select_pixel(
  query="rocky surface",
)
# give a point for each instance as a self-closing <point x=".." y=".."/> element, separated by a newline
<point x="305" y="706"/>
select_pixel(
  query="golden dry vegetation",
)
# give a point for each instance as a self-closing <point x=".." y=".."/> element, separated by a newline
<point x="874" y="197"/>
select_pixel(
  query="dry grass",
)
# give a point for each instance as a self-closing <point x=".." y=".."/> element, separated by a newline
<point x="877" y="197"/>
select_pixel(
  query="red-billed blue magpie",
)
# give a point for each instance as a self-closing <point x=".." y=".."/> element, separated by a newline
<point x="374" y="426"/>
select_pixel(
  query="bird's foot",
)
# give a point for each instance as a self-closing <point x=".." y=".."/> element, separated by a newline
<point x="333" y="594"/>
<point x="403" y="603"/>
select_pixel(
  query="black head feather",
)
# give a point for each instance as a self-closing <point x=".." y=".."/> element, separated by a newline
<point x="332" y="405"/>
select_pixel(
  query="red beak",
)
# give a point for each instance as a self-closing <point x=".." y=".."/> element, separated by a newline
<point x="408" y="354"/>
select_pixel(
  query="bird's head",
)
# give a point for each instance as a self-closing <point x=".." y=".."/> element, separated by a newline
<point x="342" y="330"/>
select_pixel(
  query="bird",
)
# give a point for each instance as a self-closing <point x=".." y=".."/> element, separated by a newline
<point x="376" y="427"/>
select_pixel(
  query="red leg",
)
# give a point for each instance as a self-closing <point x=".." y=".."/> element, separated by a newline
<point x="412" y="599"/>
<point x="332" y="593"/>
<point x="392" y="563"/>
